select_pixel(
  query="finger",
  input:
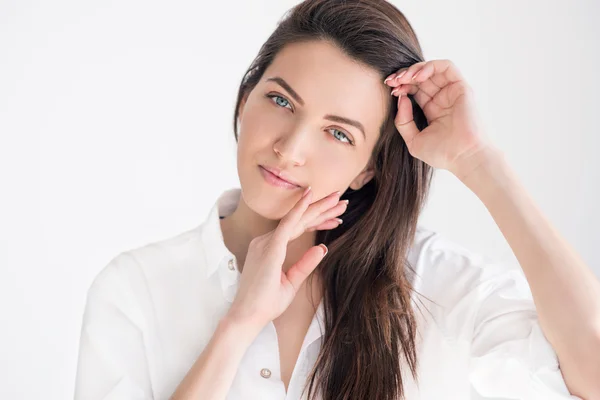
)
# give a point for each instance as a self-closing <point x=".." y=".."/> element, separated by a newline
<point x="392" y="80"/>
<point x="440" y="73"/>
<point x="329" y="224"/>
<point x="426" y="102"/>
<point x="423" y="92"/>
<point x="339" y="209"/>
<point x="406" y="88"/>
<point x="431" y="77"/>
<point x="422" y="89"/>
<point x="428" y="95"/>
<point x="287" y="224"/>
<point x="405" y="123"/>
<point x="298" y="272"/>
<point x="313" y="212"/>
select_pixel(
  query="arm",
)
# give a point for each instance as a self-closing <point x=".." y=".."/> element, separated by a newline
<point x="565" y="291"/>
<point x="112" y="360"/>
<point x="510" y="358"/>
<point x="216" y="367"/>
<point x="112" y="356"/>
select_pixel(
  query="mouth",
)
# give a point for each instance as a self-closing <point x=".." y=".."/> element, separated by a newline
<point x="274" y="180"/>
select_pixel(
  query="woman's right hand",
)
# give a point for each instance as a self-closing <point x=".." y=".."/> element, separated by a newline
<point x="265" y="291"/>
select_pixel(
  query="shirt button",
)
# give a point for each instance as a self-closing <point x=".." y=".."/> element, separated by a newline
<point x="231" y="266"/>
<point x="265" y="373"/>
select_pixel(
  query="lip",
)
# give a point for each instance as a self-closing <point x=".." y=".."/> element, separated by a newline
<point x="275" y="180"/>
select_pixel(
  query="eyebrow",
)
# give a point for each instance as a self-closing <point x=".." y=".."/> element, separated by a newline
<point x="335" y="118"/>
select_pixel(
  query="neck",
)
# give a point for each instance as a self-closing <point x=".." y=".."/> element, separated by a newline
<point x="244" y="224"/>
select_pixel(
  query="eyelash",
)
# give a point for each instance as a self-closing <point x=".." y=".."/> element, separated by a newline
<point x="271" y="96"/>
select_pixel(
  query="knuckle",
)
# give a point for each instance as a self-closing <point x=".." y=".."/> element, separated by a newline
<point x="305" y="226"/>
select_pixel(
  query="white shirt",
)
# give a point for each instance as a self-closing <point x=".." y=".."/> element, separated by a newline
<point x="151" y="311"/>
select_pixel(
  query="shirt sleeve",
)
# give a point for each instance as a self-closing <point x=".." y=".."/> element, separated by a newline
<point x="112" y="360"/>
<point x="510" y="356"/>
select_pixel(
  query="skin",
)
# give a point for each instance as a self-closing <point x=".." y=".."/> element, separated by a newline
<point x="293" y="135"/>
<point x="298" y="141"/>
<point x="565" y="290"/>
<point x="272" y="231"/>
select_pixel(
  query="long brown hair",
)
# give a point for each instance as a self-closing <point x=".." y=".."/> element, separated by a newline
<point x="369" y="322"/>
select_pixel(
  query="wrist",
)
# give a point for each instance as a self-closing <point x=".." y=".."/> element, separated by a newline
<point x="474" y="161"/>
<point x="240" y="327"/>
<point x="485" y="172"/>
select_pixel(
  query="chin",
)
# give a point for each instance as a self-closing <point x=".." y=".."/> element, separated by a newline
<point x="269" y="202"/>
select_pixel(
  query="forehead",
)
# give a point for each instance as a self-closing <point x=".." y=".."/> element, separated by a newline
<point x="330" y="82"/>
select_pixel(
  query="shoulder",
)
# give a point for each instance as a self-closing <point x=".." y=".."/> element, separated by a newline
<point x="458" y="281"/>
<point x="136" y="268"/>
<point x="439" y="260"/>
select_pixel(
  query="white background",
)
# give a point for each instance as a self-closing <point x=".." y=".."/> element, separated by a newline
<point x="116" y="131"/>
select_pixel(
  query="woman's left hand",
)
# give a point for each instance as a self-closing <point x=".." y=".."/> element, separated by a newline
<point x="454" y="137"/>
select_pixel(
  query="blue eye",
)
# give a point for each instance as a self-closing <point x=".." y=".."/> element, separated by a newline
<point x="283" y="102"/>
<point x="277" y="102"/>
<point x="343" y="134"/>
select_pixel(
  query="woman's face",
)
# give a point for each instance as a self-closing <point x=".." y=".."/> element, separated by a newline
<point x="315" y="115"/>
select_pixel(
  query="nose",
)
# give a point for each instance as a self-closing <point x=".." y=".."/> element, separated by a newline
<point x="290" y="148"/>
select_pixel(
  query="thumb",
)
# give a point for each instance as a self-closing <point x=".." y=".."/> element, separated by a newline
<point x="404" y="120"/>
<point x="305" y="266"/>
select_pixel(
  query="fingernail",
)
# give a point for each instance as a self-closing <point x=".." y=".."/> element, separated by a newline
<point x="339" y="220"/>
<point x="306" y="191"/>
<point x="325" y="249"/>
<point x="346" y="201"/>
<point x="389" y="78"/>
<point x="415" y="75"/>
<point x="401" y="74"/>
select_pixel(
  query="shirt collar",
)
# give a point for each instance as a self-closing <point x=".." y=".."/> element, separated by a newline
<point x="218" y="257"/>
<point x="316" y="328"/>
<point x="220" y="260"/>
<point x="213" y="243"/>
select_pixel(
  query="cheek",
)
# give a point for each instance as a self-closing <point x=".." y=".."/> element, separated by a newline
<point x="261" y="123"/>
<point x="332" y="171"/>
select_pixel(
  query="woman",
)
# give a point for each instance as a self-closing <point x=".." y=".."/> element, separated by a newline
<point x="340" y="103"/>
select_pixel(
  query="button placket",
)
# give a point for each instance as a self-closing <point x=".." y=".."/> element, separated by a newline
<point x="261" y="361"/>
<point x="265" y="373"/>
<point x="229" y="278"/>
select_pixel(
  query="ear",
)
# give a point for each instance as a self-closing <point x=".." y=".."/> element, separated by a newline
<point x="363" y="178"/>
